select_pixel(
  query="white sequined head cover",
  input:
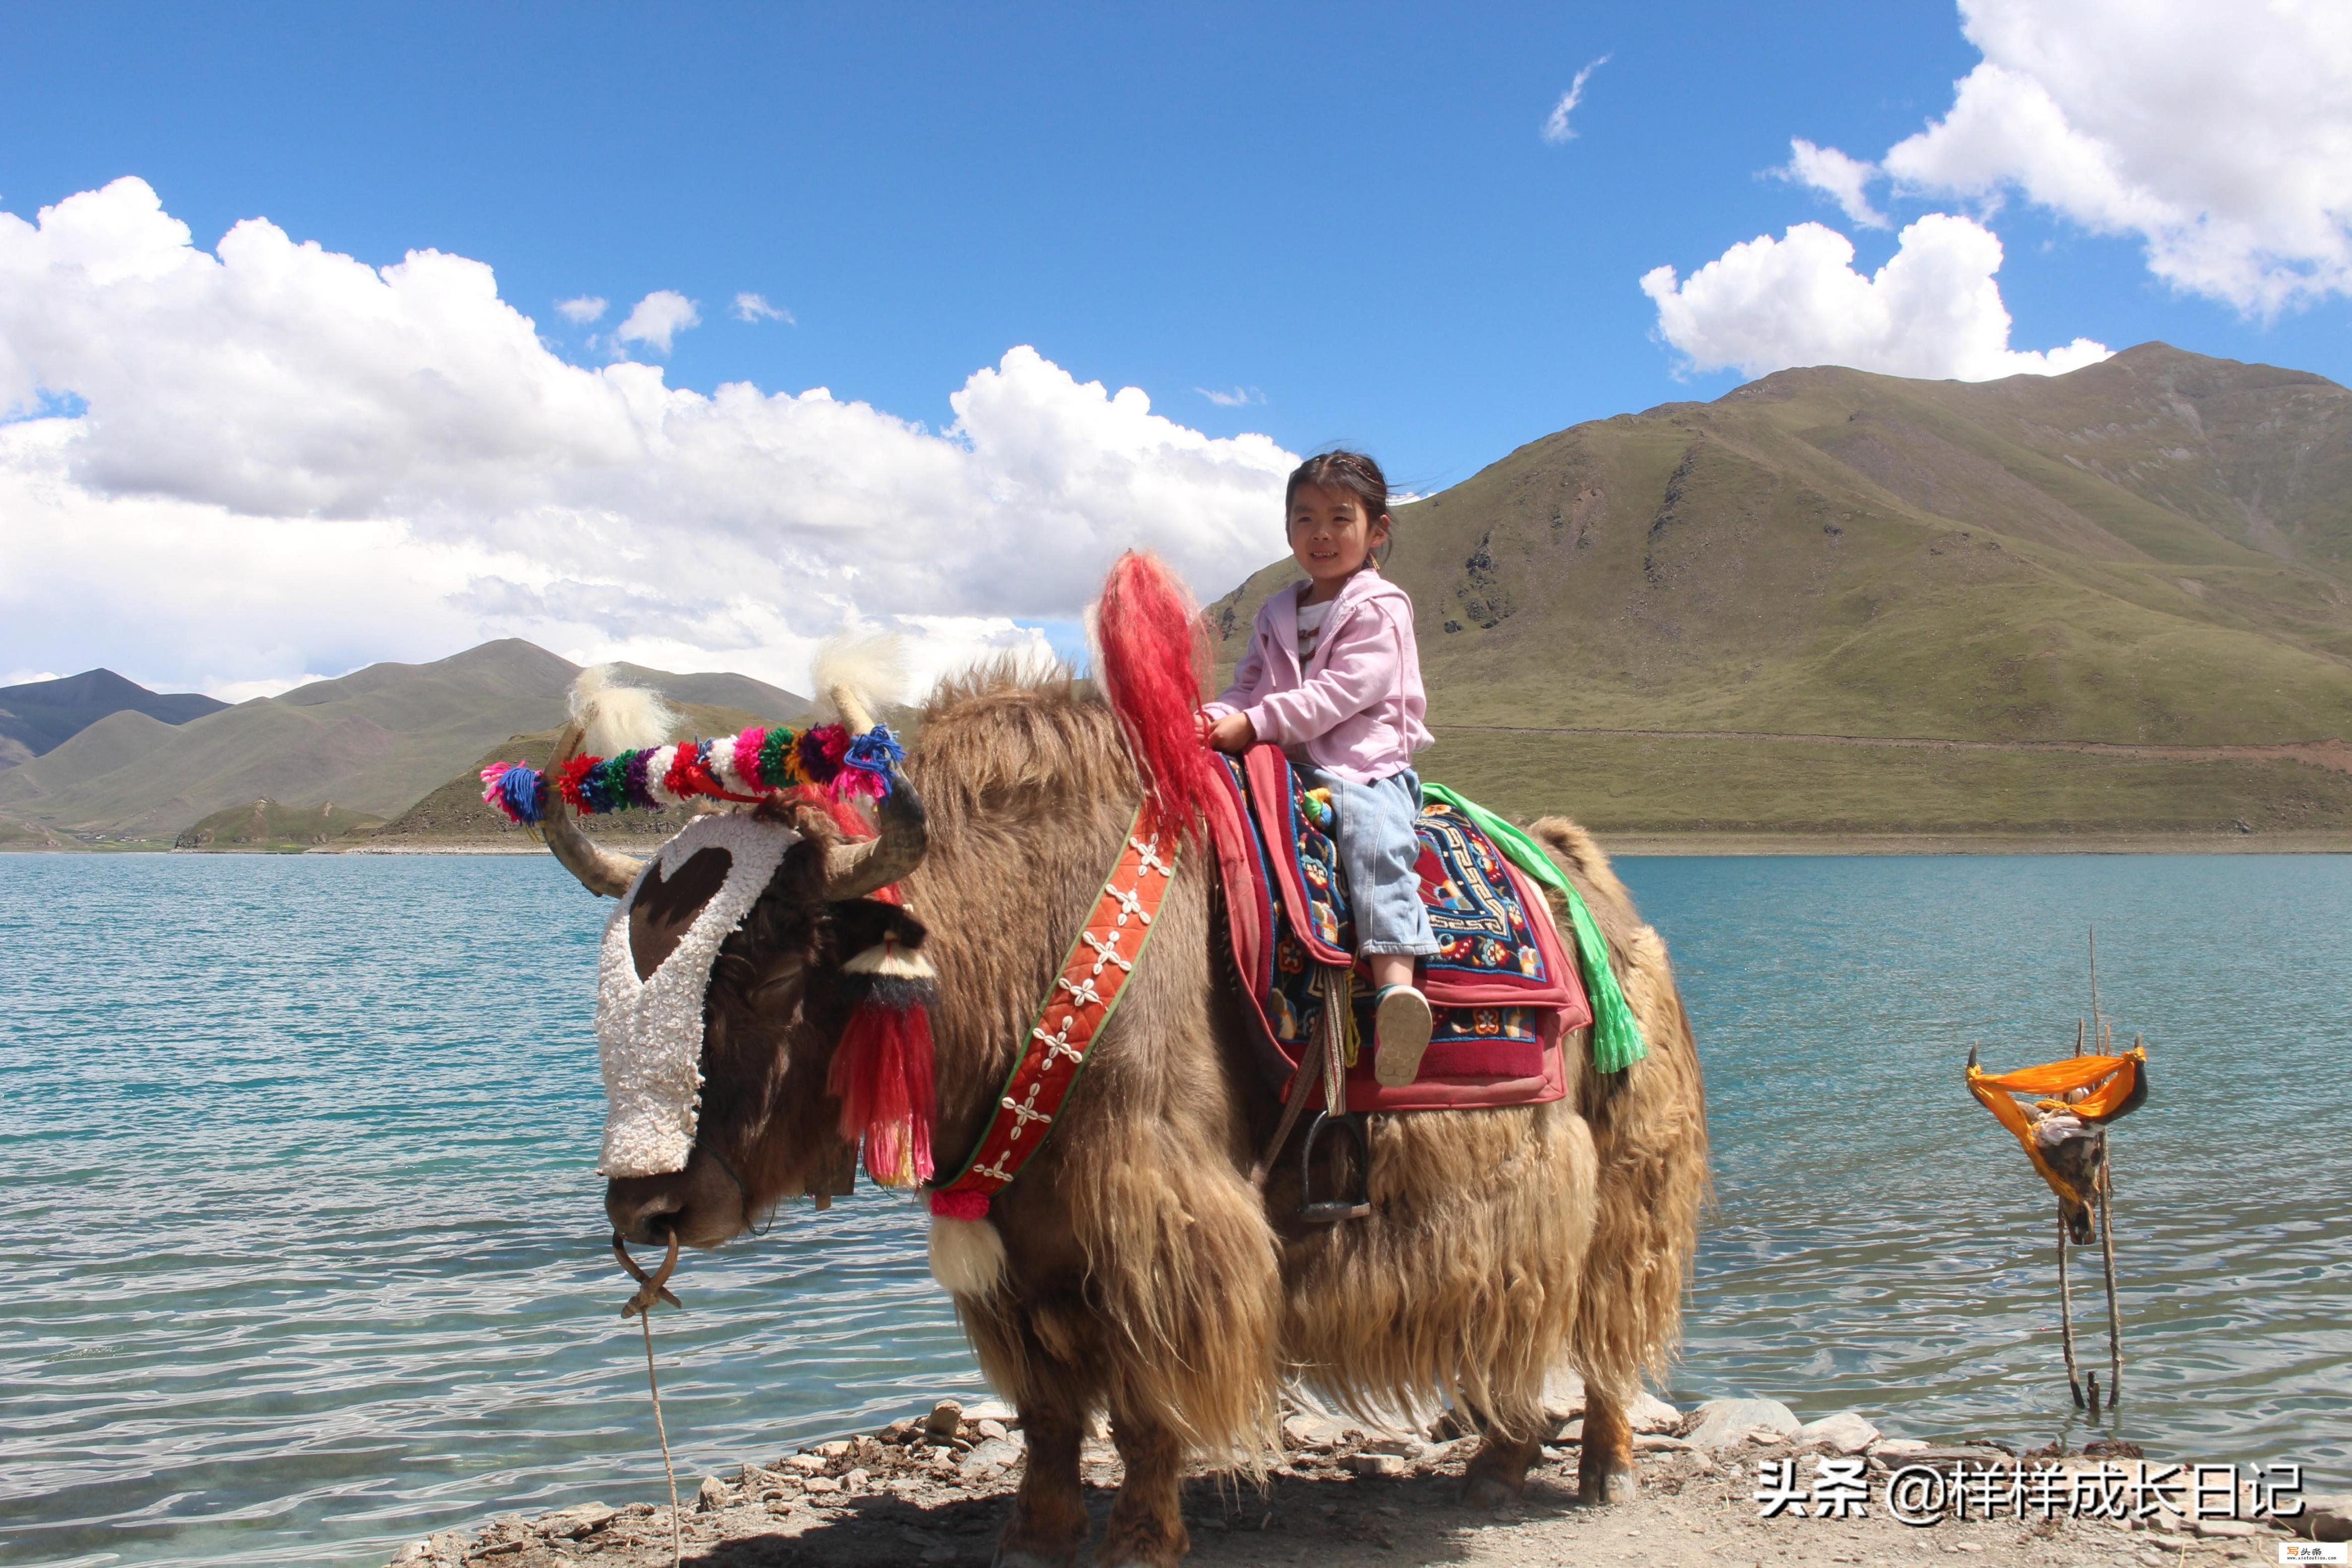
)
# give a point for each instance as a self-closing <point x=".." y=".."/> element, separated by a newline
<point x="649" y="1032"/>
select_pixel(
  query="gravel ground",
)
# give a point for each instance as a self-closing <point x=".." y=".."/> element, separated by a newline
<point x="911" y="1495"/>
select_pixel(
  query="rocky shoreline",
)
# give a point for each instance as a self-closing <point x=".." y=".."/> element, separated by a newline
<point x="936" y="1489"/>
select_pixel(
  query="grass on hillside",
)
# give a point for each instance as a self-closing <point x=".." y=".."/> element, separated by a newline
<point x="269" y="825"/>
<point x="1625" y="784"/>
<point x="1825" y="552"/>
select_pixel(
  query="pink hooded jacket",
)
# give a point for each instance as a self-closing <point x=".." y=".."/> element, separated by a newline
<point x="1356" y="708"/>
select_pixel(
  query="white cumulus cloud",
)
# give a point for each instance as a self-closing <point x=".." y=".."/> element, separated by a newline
<point x="581" y="311"/>
<point x="1556" y="127"/>
<point x="1239" y="397"/>
<point x="240" y="465"/>
<point x="658" y="319"/>
<point x="1933" y="311"/>
<point x="755" y="308"/>
<point x="1845" y="180"/>
<point x="2220" y="134"/>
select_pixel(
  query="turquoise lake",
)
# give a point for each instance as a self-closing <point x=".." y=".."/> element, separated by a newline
<point x="306" y="1257"/>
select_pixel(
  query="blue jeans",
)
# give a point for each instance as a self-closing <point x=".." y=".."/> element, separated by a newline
<point x="1379" y="853"/>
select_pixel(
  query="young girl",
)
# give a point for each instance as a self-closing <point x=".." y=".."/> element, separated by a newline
<point x="1333" y="677"/>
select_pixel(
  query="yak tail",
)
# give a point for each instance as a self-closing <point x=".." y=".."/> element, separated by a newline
<point x="1154" y="664"/>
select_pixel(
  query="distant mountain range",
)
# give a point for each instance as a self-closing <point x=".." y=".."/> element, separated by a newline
<point x="42" y="715"/>
<point x="1827" y="601"/>
<point x="371" y="744"/>
<point x="1722" y="613"/>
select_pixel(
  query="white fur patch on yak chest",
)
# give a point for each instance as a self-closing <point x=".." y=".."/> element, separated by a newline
<point x="652" y="973"/>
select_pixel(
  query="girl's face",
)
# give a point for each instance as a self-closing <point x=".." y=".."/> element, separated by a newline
<point x="1331" y="537"/>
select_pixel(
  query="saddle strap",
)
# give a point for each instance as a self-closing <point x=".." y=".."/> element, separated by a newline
<point x="1322" y="1063"/>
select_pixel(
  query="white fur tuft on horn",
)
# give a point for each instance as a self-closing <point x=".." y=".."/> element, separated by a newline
<point x="614" y="717"/>
<point x="873" y="665"/>
<point x="967" y="1255"/>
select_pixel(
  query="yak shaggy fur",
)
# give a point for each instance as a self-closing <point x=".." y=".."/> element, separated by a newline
<point x="1146" y="1273"/>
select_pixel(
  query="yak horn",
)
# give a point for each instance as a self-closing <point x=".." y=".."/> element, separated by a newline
<point x="853" y="712"/>
<point x="853" y="870"/>
<point x="601" y="871"/>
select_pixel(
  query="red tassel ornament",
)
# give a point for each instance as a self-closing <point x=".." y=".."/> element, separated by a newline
<point x="1154" y="665"/>
<point x="881" y="1070"/>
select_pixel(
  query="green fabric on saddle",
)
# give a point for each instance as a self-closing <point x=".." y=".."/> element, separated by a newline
<point x="1616" y="1038"/>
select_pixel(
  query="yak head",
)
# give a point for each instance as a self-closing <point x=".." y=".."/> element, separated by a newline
<point x="766" y="1128"/>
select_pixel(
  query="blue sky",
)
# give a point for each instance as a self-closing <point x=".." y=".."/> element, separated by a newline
<point x="1348" y="215"/>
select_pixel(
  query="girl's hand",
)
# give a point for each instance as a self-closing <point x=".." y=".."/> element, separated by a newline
<point x="1234" y="733"/>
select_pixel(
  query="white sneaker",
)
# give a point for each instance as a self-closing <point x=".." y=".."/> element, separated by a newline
<point x="1400" y="1026"/>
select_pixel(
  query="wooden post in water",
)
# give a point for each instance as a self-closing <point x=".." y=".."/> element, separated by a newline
<point x="2098" y="1031"/>
<point x="2066" y="1313"/>
<point x="2114" y="1317"/>
<point x="2107" y="1260"/>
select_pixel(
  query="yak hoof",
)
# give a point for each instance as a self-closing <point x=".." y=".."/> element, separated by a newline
<point x="1488" y="1492"/>
<point x="1021" y="1557"/>
<point x="1613" y="1487"/>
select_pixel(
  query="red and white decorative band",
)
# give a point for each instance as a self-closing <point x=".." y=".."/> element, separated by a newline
<point x="1079" y="1004"/>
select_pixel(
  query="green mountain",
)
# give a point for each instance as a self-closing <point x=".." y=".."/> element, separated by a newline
<point x="2119" y="599"/>
<point x="40" y="716"/>
<point x="373" y="742"/>
<point x="455" y="815"/>
<point x="265" y="825"/>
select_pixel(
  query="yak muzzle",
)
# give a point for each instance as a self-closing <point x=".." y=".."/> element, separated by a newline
<point x="701" y="1204"/>
<point x="645" y="1209"/>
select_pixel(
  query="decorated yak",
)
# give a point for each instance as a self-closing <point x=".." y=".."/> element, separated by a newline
<point x="1158" y="1259"/>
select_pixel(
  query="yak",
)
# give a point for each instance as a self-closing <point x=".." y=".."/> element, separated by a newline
<point x="1145" y="1276"/>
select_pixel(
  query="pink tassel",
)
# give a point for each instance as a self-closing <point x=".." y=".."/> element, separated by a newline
<point x="494" y="796"/>
<point x="881" y="1073"/>
<point x="747" y="758"/>
<point x="961" y="1203"/>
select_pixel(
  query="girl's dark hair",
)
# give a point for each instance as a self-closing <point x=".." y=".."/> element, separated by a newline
<point x="1351" y="471"/>
<point x="1354" y="473"/>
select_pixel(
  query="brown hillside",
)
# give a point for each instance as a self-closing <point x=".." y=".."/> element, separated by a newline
<point x="264" y="824"/>
<point x="2151" y="549"/>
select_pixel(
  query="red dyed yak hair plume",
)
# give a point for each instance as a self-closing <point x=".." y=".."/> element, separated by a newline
<point x="881" y="1070"/>
<point x="1155" y="665"/>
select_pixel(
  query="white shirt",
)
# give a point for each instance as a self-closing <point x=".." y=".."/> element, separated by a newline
<point x="1310" y="627"/>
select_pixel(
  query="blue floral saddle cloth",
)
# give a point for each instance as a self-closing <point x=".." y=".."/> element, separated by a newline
<point x="1503" y="993"/>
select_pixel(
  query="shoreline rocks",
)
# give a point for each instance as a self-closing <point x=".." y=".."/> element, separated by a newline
<point x="1727" y="1423"/>
<point x="1844" y="1432"/>
<point x="956" y="1462"/>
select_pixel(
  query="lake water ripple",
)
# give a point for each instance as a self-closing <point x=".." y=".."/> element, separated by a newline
<point x="305" y="1250"/>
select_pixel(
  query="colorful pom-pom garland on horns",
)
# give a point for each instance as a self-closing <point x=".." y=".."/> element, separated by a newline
<point x="748" y="768"/>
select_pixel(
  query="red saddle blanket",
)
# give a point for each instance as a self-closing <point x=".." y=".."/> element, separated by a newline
<point x="1503" y="992"/>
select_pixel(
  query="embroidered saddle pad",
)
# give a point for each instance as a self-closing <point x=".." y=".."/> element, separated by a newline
<point x="1506" y="997"/>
